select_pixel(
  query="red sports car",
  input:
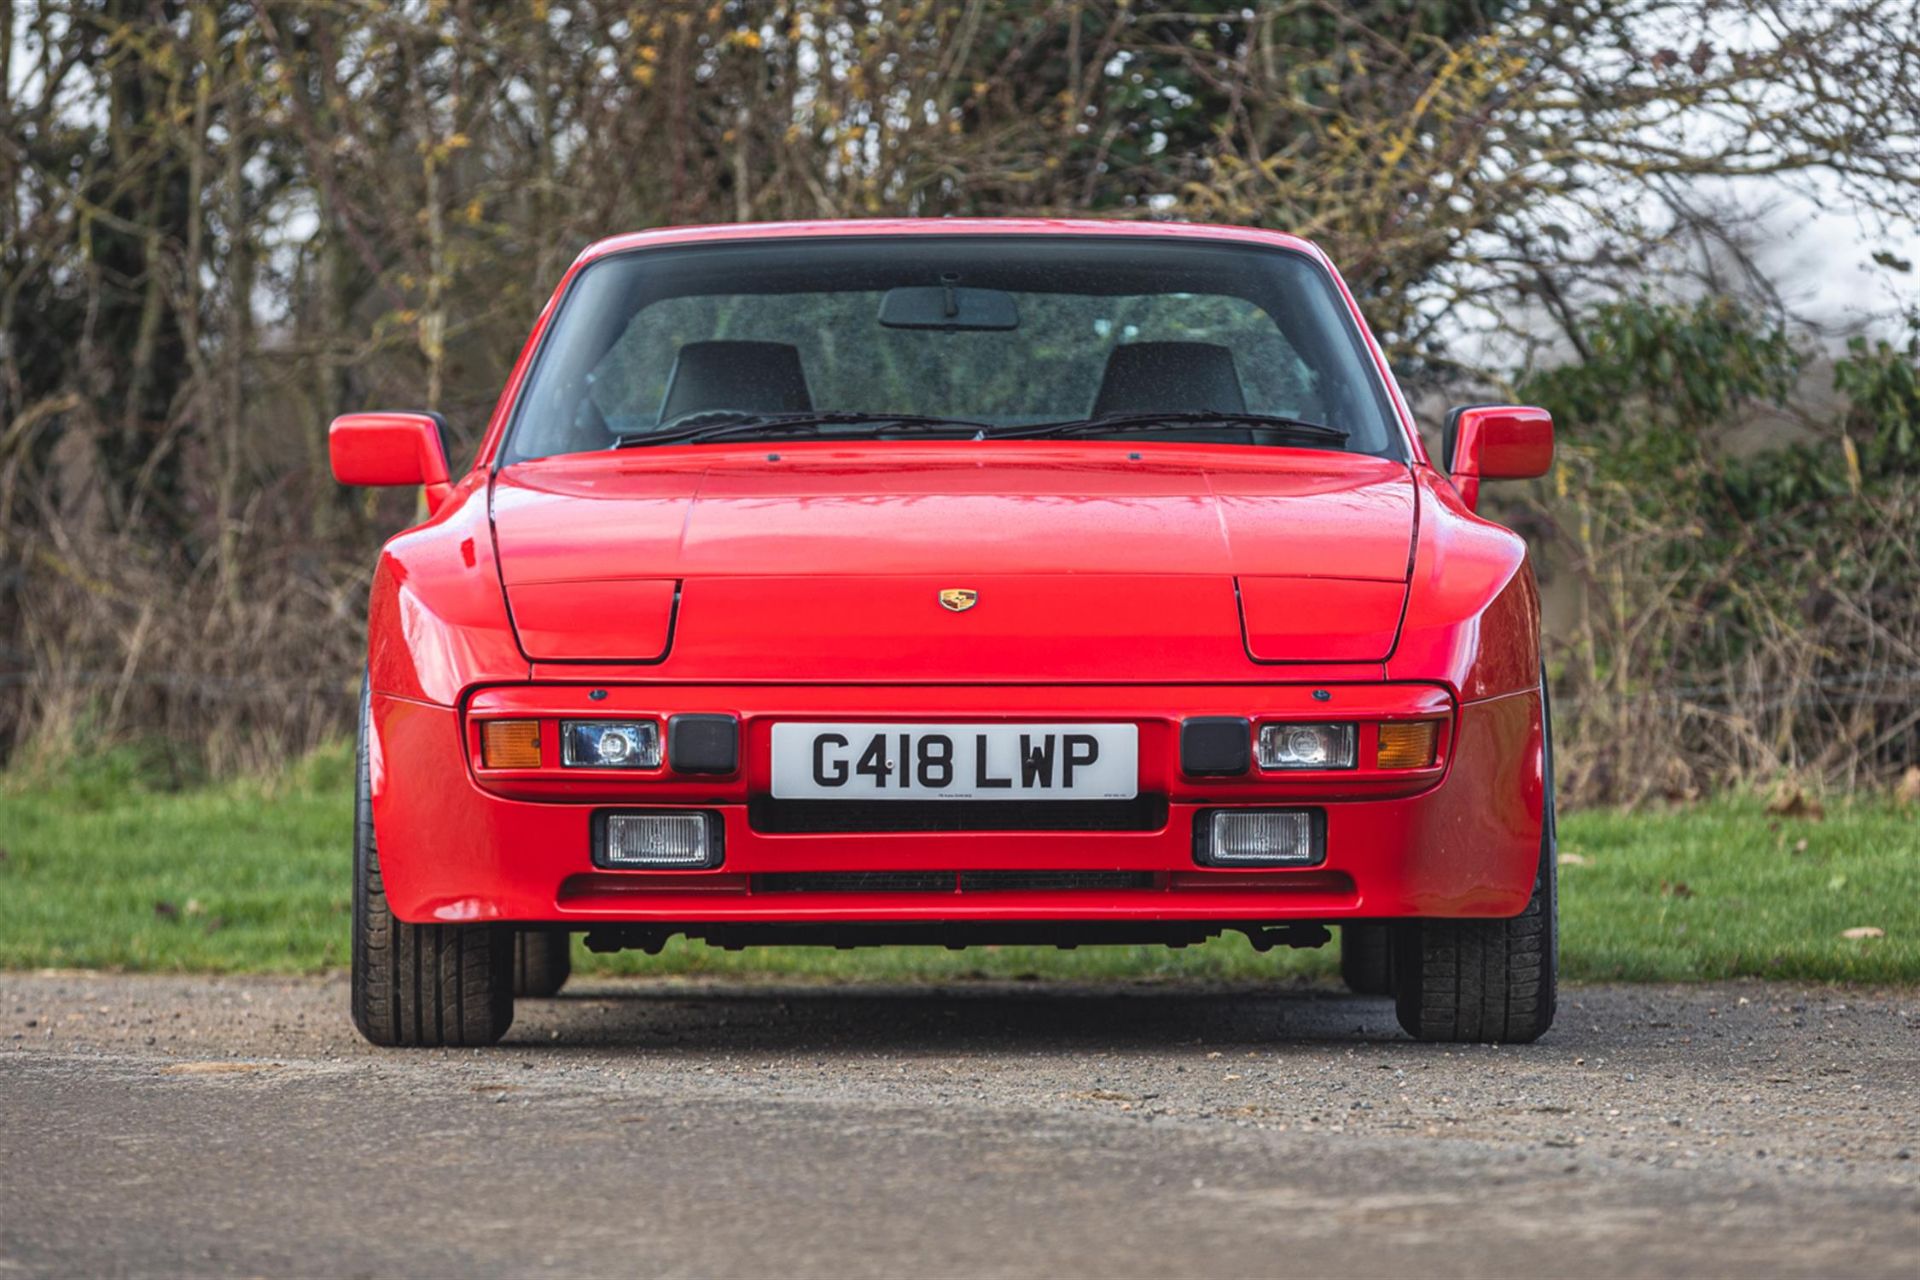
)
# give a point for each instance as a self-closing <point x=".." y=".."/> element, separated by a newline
<point x="957" y="583"/>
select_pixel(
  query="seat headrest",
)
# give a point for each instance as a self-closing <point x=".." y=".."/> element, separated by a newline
<point x="760" y="377"/>
<point x="1170" y="377"/>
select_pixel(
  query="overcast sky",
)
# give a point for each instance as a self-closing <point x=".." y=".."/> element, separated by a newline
<point x="1821" y="260"/>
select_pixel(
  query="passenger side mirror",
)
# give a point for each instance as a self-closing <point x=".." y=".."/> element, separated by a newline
<point x="1495" y="442"/>
<point x="391" y="449"/>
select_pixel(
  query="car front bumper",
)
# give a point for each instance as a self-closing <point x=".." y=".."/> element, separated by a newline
<point x="459" y="842"/>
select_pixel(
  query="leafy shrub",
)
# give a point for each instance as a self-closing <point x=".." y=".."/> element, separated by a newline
<point x="1743" y="610"/>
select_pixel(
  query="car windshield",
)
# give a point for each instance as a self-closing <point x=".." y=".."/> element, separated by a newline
<point x="907" y="336"/>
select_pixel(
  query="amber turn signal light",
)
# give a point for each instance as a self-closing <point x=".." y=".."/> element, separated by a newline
<point x="510" y="744"/>
<point x="1407" y="744"/>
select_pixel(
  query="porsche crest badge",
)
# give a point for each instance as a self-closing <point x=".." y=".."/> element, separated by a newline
<point x="959" y="599"/>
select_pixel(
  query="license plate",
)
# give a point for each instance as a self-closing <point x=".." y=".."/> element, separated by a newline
<point x="956" y="761"/>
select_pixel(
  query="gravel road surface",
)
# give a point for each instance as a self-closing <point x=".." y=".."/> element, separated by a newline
<point x="156" y="1125"/>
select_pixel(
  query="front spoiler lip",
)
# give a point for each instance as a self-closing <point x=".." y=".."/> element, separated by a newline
<point x="1176" y="896"/>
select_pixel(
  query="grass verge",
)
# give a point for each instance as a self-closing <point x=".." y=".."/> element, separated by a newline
<point x="98" y="871"/>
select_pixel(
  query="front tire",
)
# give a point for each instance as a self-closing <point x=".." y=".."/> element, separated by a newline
<point x="1488" y="981"/>
<point x="1480" y="981"/>
<point x="419" y="984"/>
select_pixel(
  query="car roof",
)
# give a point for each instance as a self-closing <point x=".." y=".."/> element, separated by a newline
<point x="732" y="231"/>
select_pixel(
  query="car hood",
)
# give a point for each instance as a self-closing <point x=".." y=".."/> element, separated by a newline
<point x="593" y="549"/>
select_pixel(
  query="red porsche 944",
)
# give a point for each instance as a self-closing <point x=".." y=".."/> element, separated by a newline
<point x="955" y="583"/>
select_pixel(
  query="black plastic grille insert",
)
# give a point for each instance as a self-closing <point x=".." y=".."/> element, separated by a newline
<point x="807" y="817"/>
<point x="988" y="881"/>
<point x="854" y="882"/>
<point x="946" y="881"/>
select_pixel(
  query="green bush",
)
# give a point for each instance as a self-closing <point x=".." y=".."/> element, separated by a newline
<point x="1746" y="607"/>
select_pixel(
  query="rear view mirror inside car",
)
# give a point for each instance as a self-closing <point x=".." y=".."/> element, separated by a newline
<point x="948" y="306"/>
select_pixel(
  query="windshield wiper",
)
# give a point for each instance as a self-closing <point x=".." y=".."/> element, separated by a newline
<point x="849" y="423"/>
<point x="748" y="426"/>
<point x="1297" y="428"/>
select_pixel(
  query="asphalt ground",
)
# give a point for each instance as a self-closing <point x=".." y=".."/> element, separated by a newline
<point x="181" y="1125"/>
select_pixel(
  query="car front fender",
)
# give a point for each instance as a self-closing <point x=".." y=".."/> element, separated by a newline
<point x="437" y="621"/>
<point x="1473" y="609"/>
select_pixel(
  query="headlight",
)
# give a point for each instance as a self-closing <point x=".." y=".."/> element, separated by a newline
<point x="1306" y="746"/>
<point x="610" y="744"/>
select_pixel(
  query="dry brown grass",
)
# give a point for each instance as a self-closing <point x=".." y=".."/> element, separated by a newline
<point x="1794" y="656"/>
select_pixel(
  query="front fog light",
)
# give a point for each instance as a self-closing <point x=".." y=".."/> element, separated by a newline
<point x="664" y="841"/>
<point x="1260" y="838"/>
<point x="610" y="744"/>
<point x="1306" y="746"/>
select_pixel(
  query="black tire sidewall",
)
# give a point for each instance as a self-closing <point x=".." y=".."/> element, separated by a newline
<point x="1549" y="881"/>
<point x="542" y="961"/>
<point x="1366" y="958"/>
<point x="363" y="855"/>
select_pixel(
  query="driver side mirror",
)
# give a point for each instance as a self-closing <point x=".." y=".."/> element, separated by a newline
<point x="1495" y="442"/>
<point x="396" y="449"/>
